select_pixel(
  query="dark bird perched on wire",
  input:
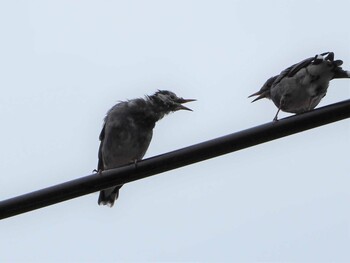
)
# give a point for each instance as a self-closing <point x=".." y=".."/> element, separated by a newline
<point x="127" y="133"/>
<point x="301" y="87"/>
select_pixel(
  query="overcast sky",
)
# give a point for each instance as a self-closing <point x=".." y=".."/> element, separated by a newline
<point x="63" y="64"/>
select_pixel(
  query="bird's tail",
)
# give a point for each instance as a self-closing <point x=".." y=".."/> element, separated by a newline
<point x="108" y="196"/>
<point x="340" y="73"/>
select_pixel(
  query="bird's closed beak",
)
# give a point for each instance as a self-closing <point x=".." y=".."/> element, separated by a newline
<point x="182" y="101"/>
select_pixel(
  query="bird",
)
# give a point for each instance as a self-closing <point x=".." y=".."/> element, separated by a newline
<point x="127" y="132"/>
<point x="301" y="87"/>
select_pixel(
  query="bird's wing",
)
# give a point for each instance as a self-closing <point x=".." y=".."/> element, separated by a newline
<point x="339" y="73"/>
<point x="299" y="66"/>
<point x="292" y="70"/>
<point x="100" y="165"/>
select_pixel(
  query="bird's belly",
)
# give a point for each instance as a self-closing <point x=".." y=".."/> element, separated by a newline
<point x="126" y="149"/>
<point x="300" y="105"/>
<point x="122" y="156"/>
<point x="295" y="106"/>
<point x="297" y="98"/>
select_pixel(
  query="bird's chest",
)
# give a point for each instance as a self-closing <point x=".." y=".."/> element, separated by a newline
<point x="134" y="134"/>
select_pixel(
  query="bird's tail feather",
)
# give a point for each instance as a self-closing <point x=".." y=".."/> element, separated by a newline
<point x="340" y="73"/>
<point x="108" y="196"/>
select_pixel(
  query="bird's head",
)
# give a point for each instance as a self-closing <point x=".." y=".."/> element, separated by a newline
<point x="168" y="101"/>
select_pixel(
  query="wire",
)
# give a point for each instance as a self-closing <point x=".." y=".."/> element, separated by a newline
<point x="172" y="160"/>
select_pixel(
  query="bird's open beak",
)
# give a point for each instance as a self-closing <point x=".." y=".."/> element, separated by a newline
<point x="182" y="101"/>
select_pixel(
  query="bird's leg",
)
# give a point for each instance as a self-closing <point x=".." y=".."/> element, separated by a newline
<point x="275" y="119"/>
<point x="135" y="163"/>
<point x="282" y="101"/>
<point x="97" y="171"/>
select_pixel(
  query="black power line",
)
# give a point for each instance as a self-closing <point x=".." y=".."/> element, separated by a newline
<point x="172" y="160"/>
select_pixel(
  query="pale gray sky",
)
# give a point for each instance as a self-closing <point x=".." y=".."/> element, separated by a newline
<point x="65" y="63"/>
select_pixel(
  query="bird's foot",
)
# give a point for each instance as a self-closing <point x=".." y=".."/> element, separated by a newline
<point x="97" y="171"/>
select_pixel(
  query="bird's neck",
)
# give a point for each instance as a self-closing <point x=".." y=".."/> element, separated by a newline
<point x="156" y="109"/>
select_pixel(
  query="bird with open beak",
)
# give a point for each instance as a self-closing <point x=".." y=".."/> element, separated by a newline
<point x="127" y="133"/>
<point x="301" y="87"/>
